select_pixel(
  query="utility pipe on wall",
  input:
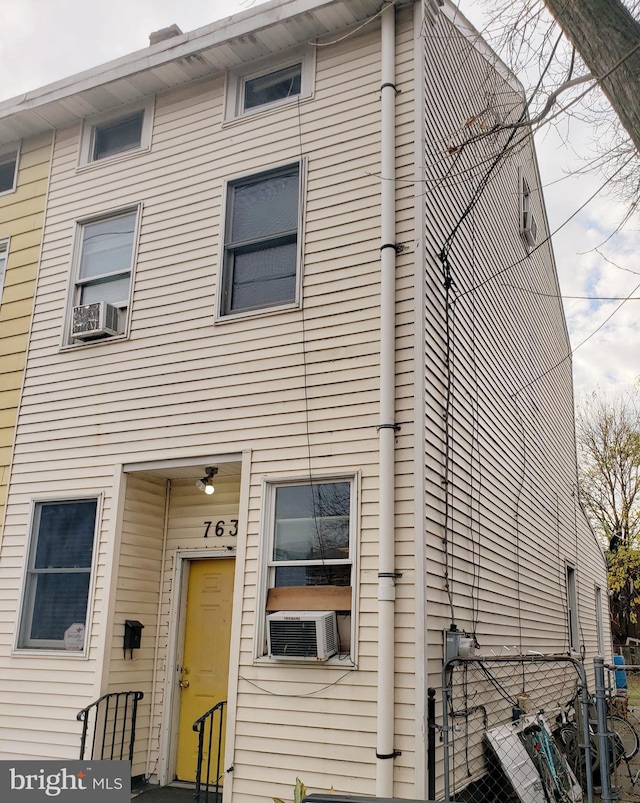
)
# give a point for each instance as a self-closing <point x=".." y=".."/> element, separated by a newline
<point x="385" y="752"/>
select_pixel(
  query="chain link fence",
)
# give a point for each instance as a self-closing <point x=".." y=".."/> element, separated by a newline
<point x="516" y="730"/>
<point x="617" y="715"/>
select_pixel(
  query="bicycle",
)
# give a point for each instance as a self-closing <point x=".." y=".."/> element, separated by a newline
<point x="558" y="782"/>
<point x="622" y="739"/>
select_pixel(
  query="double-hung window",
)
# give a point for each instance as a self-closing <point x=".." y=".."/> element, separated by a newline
<point x="8" y="169"/>
<point x="311" y="549"/>
<point x="56" y="598"/>
<point x="103" y="267"/>
<point x="261" y="249"/>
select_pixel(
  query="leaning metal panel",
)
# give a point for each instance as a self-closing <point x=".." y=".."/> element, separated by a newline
<point x="515" y="730"/>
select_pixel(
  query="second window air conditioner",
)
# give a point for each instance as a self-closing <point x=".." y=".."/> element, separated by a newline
<point x="94" y="320"/>
<point x="302" y="635"/>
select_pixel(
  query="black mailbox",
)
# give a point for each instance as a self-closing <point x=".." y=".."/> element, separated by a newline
<point x="132" y="635"/>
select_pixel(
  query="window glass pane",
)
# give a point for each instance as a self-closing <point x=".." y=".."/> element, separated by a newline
<point x="7" y="173"/>
<point x="263" y="277"/>
<point x="114" y="291"/>
<point x="122" y="135"/>
<point x="317" y="499"/>
<point x="326" y="575"/>
<point x="312" y="522"/>
<point x="274" y="86"/>
<point x="107" y="246"/>
<point x="265" y="208"/>
<point x="60" y="601"/>
<point x="65" y="535"/>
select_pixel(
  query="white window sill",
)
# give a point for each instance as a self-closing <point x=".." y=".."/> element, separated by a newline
<point x="335" y="662"/>
<point x="255" y="313"/>
<point x="266" y="108"/>
<point x="111" y="160"/>
<point x="34" y="652"/>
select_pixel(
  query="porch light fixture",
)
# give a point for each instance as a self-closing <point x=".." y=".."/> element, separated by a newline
<point x="206" y="483"/>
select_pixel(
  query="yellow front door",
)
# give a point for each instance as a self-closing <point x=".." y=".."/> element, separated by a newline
<point x="205" y="662"/>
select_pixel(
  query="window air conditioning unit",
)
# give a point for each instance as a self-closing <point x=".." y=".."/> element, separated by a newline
<point x="94" y="320"/>
<point x="302" y="635"/>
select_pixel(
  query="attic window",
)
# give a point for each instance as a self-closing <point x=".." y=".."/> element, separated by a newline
<point x="118" y="134"/>
<point x="8" y="170"/>
<point x="122" y="135"/>
<point x="273" y="86"/>
<point x="269" y="83"/>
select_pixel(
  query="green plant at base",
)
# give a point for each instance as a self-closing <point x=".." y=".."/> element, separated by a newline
<point x="299" y="793"/>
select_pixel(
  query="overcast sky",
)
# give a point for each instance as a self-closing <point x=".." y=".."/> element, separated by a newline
<point x="44" y="40"/>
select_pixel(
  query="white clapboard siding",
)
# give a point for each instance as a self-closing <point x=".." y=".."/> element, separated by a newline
<point x="512" y="513"/>
<point x="300" y="389"/>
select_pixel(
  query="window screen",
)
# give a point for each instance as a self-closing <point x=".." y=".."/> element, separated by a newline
<point x="59" y="569"/>
<point x="261" y="248"/>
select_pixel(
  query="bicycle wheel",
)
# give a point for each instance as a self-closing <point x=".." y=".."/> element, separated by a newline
<point x="532" y="737"/>
<point x="548" y="779"/>
<point x="568" y="738"/>
<point x="626" y="733"/>
<point x="633" y="720"/>
<point x="563" y="781"/>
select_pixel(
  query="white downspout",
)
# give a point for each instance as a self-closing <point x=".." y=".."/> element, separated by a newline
<point x="386" y="567"/>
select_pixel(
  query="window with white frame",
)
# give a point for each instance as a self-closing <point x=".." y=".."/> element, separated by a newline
<point x="599" y="621"/>
<point x="267" y="83"/>
<point x="8" y="169"/>
<point x="113" y="134"/>
<point x="56" y="598"/>
<point x="261" y="248"/>
<point x="311" y="549"/>
<point x="4" y="249"/>
<point x="528" y="224"/>
<point x="103" y="266"/>
<point x="572" y="609"/>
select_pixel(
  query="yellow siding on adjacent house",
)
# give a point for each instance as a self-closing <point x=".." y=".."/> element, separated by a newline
<point x="21" y="219"/>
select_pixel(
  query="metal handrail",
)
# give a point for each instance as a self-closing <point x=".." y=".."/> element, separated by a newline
<point x="199" y="726"/>
<point x="115" y="720"/>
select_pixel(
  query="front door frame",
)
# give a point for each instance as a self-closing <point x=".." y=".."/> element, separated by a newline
<point x="171" y="710"/>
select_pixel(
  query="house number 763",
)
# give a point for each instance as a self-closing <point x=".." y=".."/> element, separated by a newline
<point x="221" y="528"/>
